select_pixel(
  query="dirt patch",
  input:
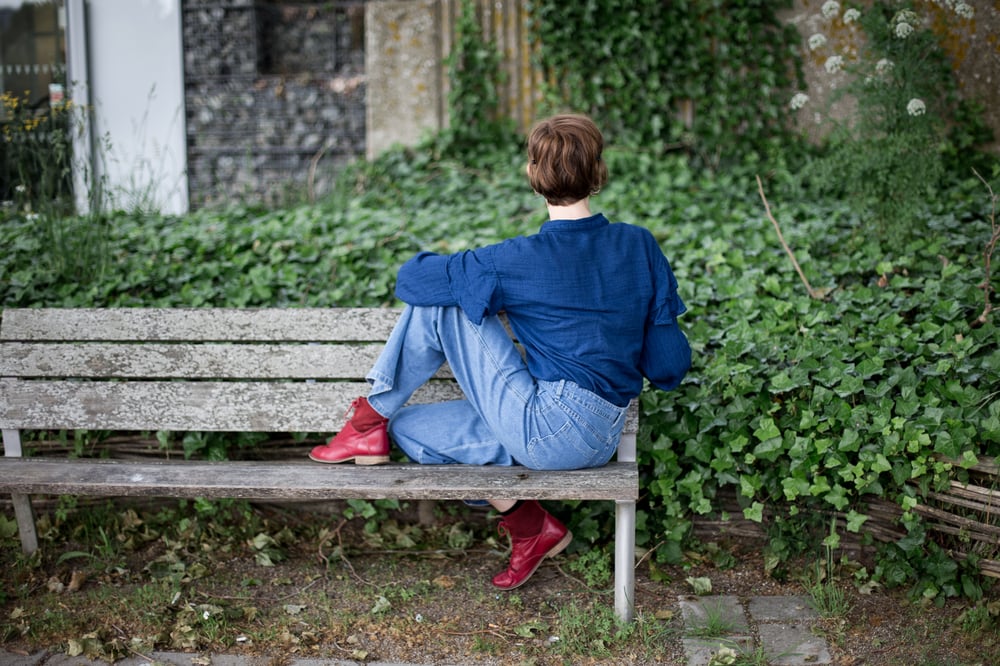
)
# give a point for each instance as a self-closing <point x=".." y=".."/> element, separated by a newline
<point x="307" y="583"/>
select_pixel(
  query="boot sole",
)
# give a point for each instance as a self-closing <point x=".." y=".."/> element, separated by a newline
<point x="555" y="550"/>
<point x="358" y="460"/>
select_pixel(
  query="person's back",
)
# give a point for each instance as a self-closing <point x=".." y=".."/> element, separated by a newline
<point x="578" y="295"/>
<point x="595" y="306"/>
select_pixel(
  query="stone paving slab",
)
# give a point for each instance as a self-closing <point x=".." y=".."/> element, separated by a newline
<point x="699" y="651"/>
<point x="11" y="659"/>
<point x="781" y="609"/>
<point x="717" y="611"/>
<point x="792" y="644"/>
<point x="782" y="623"/>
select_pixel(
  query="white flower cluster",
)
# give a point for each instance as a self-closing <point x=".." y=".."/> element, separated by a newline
<point x="835" y="63"/>
<point x="961" y="8"/>
<point x="916" y="107"/>
<point x="799" y="100"/>
<point x="817" y="41"/>
<point x="903" y="23"/>
<point x="965" y="10"/>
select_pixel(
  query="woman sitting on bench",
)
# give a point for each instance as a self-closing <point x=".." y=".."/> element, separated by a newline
<point x="594" y="305"/>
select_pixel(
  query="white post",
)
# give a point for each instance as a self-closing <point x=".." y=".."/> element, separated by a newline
<point x="625" y="530"/>
<point x="78" y="92"/>
<point x="624" y="560"/>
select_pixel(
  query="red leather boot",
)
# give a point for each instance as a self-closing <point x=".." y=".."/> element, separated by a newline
<point x="363" y="439"/>
<point x="534" y="535"/>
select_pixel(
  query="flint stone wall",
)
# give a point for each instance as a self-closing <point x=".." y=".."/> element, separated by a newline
<point x="275" y="97"/>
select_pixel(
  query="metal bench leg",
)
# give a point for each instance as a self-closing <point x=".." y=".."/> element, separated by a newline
<point x="624" y="560"/>
<point x="22" y="503"/>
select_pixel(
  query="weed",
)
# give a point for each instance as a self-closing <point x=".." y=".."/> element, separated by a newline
<point x="755" y="657"/>
<point x="594" y="566"/>
<point x="50" y="621"/>
<point x="409" y="592"/>
<point x="735" y="655"/>
<point x="514" y="600"/>
<point x="981" y="619"/>
<point x="65" y="505"/>
<point x="717" y="621"/>
<point x="486" y="645"/>
<point x="828" y="599"/>
<point x="107" y="545"/>
<point x="590" y="631"/>
<point x="653" y="633"/>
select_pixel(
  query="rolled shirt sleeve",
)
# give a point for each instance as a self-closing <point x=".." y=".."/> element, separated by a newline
<point x="467" y="279"/>
<point x="423" y="280"/>
<point x="666" y="353"/>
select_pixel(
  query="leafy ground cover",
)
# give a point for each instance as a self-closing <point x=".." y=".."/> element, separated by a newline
<point x="804" y="410"/>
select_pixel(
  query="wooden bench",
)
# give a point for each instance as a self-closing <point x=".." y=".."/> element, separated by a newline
<point x="241" y="370"/>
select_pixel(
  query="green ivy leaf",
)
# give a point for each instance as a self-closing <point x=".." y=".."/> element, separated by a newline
<point x="837" y="497"/>
<point x="794" y="488"/>
<point x="767" y="429"/>
<point x="855" y="520"/>
<point x="754" y="512"/>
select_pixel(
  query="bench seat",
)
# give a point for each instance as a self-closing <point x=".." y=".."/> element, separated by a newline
<point x="305" y="480"/>
<point x="242" y="370"/>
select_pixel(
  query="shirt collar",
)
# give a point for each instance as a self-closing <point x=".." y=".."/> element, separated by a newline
<point x="583" y="224"/>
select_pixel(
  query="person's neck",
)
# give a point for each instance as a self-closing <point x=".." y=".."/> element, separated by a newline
<point x="574" y="211"/>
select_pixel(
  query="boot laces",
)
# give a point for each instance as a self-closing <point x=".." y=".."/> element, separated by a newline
<point x="351" y="409"/>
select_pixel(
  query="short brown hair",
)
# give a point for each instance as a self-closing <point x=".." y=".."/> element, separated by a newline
<point x="564" y="154"/>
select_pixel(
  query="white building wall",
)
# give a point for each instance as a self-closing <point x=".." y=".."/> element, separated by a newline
<point x="134" y="84"/>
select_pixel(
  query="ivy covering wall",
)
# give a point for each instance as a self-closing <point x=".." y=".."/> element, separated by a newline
<point x="711" y="76"/>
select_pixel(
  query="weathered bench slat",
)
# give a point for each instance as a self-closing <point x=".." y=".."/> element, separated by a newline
<point x="188" y="361"/>
<point x="307" y="481"/>
<point x="182" y="406"/>
<point x="200" y="324"/>
<point x="240" y="370"/>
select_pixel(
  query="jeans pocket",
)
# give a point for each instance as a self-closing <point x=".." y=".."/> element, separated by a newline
<point x="602" y="421"/>
<point x="558" y="449"/>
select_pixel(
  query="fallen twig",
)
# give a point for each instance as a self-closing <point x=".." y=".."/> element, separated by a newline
<point x="480" y="632"/>
<point x="767" y="207"/>
<point x="649" y="552"/>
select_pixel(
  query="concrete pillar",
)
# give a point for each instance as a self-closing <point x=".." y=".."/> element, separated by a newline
<point x="404" y="66"/>
<point x="407" y="43"/>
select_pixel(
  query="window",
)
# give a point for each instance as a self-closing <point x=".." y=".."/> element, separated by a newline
<point x="34" y="118"/>
<point x="33" y="51"/>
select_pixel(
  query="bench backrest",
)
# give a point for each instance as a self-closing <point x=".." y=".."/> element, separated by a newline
<point x="208" y="369"/>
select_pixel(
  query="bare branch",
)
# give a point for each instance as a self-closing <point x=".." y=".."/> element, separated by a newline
<point x="991" y="245"/>
<point x="781" y="237"/>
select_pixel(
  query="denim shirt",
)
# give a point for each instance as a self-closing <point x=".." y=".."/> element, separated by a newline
<point x="591" y="302"/>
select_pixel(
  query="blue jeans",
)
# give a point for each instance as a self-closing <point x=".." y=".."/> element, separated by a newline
<point x="506" y="418"/>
